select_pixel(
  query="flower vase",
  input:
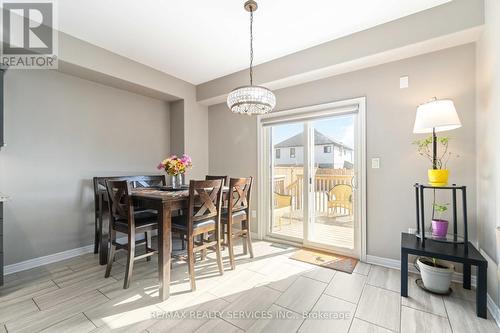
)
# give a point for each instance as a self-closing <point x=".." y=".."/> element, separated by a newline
<point x="176" y="181"/>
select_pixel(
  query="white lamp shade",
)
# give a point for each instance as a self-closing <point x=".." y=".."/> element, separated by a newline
<point x="439" y="115"/>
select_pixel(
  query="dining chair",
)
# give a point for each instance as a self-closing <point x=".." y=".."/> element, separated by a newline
<point x="238" y="212"/>
<point x="148" y="181"/>
<point x="101" y="202"/>
<point x="224" y="178"/>
<point x="124" y="219"/>
<point x="203" y="216"/>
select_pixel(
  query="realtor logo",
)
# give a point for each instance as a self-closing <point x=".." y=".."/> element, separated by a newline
<point x="29" y="35"/>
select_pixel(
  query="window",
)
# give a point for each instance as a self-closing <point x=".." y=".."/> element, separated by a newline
<point x="292" y="152"/>
<point x="278" y="153"/>
<point x="327" y="149"/>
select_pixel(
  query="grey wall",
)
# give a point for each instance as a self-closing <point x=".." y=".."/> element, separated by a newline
<point x="60" y="132"/>
<point x="390" y="115"/>
<point x="177" y="127"/>
<point x="488" y="140"/>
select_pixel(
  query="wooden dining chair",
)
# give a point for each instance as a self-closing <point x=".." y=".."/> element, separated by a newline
<point x="203" y="216"/>
<point x="101" y="202"/>
<point x="238" y="212"/>
<point x="224" y="178"/>
<point x="148" y="181"/>
<point x="124" y="219"/>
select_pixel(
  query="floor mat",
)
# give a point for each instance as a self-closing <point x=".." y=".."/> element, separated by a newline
<point x="326" y="259"/>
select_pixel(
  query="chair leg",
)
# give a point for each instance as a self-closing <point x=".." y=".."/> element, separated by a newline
<point x="204" y="251"/>
<point x="112" y="249"/>
<point x="230" y="247"/>
<point x="191" y="262"/>
<point x="96" y="235"/>
<point x="243" y="240"/>
<point x="219" y="257"/>
<point x="130" y="260"/>
<point x="248" y="239"/>
<point x="148" y="245"/>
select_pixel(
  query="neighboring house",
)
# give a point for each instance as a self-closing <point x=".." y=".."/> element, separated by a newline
<point x="328" y="153"/>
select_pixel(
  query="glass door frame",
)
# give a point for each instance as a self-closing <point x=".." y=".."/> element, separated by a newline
<point x="265" y="172"/>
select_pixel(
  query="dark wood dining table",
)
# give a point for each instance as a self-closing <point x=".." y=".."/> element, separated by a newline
<point x="164" y="202"/>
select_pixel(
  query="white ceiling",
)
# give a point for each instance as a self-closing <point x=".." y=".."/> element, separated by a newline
<point x="198" y="41"/>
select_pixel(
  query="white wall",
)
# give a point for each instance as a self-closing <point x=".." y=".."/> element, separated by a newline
<point x="488" y="140"/>
<point x="61" y="131"/>
<point x="391" y="111"/>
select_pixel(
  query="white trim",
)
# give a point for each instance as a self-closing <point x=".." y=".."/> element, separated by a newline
<point x="55" y="257"/>
<point x="48" y="259"/>
<point x="396" y="264"/>
<point x="493" y="309"/>
<point x="354" y="104"/>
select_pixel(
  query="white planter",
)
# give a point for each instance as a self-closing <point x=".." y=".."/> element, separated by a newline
<point x="436" y="279"/>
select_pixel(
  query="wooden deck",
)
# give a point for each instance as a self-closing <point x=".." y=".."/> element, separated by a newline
<point x="335" y="231"/>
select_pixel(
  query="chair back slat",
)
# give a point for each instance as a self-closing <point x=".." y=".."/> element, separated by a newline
<point x="149" y="181"/>
<point x="119" y="198"/>
<point x="204" y="200"/>
<point x="224" y="178"/>
<point x="239" y="193"/>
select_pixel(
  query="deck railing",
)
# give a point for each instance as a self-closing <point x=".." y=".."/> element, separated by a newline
<point x="290" y="181"/>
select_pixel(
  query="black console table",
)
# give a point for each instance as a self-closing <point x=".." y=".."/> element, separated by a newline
<point x="411" y="244"/>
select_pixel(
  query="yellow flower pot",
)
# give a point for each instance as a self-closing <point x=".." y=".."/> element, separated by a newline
<point x="438" y="177"/>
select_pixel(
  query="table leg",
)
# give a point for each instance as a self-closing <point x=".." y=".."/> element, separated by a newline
<point x="404" y="274"/>
<point x="466" y="276"/>
<point x="164" y="250"/>
<point x="481" y="291"/>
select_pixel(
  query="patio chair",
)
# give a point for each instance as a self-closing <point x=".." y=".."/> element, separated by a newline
<point x="340" y="196"/>
<point x="283" y="201"/>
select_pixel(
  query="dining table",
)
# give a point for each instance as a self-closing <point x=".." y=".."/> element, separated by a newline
<point x="164" y="201"/>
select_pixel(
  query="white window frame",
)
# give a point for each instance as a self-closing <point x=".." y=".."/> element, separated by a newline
<point x="264" y="199"/>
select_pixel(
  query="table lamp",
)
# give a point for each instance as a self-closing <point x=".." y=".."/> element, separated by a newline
<point x="438" y="115"/>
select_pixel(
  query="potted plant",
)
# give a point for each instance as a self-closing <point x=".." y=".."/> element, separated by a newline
<point x="439" y="225"/>
<point x="438" y="176"/>
<point x="175" y="168"/>
<point x="436" y="275"/>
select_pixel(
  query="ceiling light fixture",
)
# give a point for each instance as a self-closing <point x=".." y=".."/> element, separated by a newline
<point x="251" y="99"/>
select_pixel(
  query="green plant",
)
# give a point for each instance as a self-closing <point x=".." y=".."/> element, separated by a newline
<point x="424" y="148"/>
<point x="439" y="208"/>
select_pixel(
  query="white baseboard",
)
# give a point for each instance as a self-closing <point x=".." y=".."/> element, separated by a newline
<point x="494" y="310"/>
<point x="396" y="264"/>
<point x="52" y="258"/>
<point x="45" y="260"/>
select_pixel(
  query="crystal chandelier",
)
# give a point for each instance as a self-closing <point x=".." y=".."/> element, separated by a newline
<point x="251" y="99"/>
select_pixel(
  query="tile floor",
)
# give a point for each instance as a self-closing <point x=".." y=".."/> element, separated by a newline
<point x="270" y="293"/>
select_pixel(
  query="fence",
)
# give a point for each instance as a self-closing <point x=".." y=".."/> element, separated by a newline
<point x="290" y="181"/>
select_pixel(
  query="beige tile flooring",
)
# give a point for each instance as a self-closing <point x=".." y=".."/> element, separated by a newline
<point x="270" y="293"/>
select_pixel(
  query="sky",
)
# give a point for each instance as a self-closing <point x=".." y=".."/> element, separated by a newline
<point x="340" y="128"/>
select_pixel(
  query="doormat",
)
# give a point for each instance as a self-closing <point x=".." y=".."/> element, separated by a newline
<point x="325" y="259"/>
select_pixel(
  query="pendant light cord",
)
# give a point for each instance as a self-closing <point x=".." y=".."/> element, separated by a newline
<point x="251" y="47"/>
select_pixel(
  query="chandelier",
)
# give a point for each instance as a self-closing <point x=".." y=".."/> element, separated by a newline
<point x="251" y="99"/>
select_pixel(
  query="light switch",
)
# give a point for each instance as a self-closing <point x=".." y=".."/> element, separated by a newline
<point x="404" y="82"/>
<point x="254" y="214"/>
<point x="376" y="163"/>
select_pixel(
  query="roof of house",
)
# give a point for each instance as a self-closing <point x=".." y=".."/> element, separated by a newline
<point x="319" y="139"/>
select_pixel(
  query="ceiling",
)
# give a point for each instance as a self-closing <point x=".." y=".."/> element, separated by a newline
<point x="198" y="41"/>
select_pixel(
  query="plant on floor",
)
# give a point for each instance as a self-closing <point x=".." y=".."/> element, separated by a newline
<point x="436" y="275"/>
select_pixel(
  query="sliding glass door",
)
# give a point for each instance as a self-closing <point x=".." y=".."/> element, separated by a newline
<point x="312" y="180"/>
